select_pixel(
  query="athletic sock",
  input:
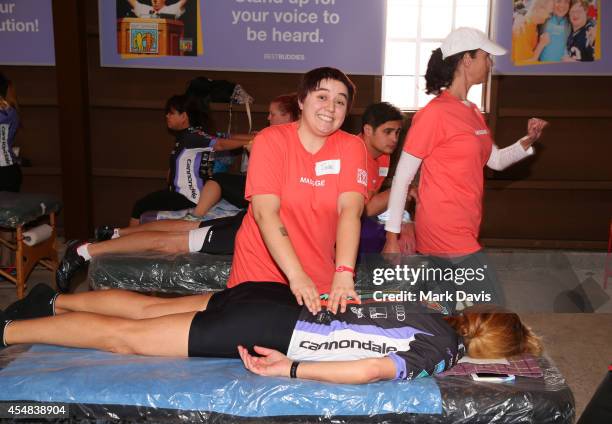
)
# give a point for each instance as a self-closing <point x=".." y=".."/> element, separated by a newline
<point x="197" y="238"/>
<point x="3" y="324"/>
<point x="115" y="234"/>
<point x="83" y="252"/>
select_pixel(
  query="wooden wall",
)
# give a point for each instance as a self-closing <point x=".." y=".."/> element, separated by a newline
<point x="560" y="198"/>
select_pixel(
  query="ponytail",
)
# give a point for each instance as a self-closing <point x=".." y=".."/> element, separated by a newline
<point x="441" y="72"/>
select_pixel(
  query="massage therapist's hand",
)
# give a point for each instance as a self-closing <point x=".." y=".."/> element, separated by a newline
<point x="305" y="292"/>
<point x="535" y="126"/>
<point x="342" y="288"/>
<point x="271" y="363"/>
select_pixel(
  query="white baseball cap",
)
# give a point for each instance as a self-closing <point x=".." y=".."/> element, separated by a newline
<point x="464" y="39"/>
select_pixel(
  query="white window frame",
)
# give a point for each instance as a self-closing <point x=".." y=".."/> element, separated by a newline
<point x="418" y="41"/>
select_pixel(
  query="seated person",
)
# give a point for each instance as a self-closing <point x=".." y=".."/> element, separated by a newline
<point x="268" y="322"/>
<point x="282" y="110"/>
<point x="157" y="7"/>
<point x="189" y="165"/>
<point x="10" y="171"/>
<point x="381" y="126"/>
<point x="178" y="236"/>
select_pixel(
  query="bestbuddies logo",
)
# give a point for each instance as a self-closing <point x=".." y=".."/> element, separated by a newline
<point x="413" y="275"/>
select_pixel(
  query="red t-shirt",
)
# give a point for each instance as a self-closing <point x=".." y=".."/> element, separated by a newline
<point x="454" y="142"/>
<point x="377" y="172"/>
<point x="308" y="186"/>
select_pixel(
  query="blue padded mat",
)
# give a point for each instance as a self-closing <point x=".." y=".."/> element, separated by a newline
<point x="83" y="376"/>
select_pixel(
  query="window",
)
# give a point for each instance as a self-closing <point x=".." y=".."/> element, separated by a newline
<point x="414" y="29"/>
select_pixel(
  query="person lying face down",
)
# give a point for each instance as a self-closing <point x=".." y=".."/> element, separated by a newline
<point x="177" y="236"/>
<point x="270" y="332"/>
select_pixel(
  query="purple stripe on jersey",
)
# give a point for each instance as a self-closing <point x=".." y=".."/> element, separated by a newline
<point x="402" y="333"/>
<point x="177" y="172"/>
<point x="196" y="172"/>
<point x="400" y="366"/>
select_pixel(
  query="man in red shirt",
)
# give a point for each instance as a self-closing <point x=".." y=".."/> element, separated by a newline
<point x="381" y="126"/>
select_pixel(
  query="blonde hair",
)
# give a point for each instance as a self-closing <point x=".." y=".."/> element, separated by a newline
<point x="492" y="332"/>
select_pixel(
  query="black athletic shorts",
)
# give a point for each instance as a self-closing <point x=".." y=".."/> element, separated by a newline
<point x="221" y="236"/>
<point x="163" y="200"/>
<point x="232" y="188"/>
<point x="252" y="313"/>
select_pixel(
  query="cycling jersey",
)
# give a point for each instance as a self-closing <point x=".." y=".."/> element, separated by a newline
<point x="9" y="121"/>
<point x="191" y="149"/>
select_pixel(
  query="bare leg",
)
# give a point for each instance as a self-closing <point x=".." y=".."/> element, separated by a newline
<point x="164" y="225"/>
<point x="209" y="197"/>
<point x="134" y="222"/>
<point x="151" y="241"/>
<point x="126" y="304"/>
<point x="163" y="336"/>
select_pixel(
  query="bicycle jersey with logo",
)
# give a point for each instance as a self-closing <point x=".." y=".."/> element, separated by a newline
<point x="420" y="344"/>
<point x="185" y="161"/>
<point x="9" y="121"/>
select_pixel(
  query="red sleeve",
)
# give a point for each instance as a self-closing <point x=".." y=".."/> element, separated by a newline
<point x="425" y="133"/>
<point x="261" y="177"/>
<point x="353" y="168"/>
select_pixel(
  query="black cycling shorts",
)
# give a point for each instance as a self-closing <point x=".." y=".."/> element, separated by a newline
<point x="232" y="188"/>
<point x="252" y="313"/>
<point x="163" y="200"/>
<point x="221" y="236"/>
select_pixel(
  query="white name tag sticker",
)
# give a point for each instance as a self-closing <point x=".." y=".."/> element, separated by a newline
<point x="383" y="171"/>
<point x="327" y="167"/>
<point x="482" y="132"/>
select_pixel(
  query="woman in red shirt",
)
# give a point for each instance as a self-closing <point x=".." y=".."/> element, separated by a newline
<point x="306" y="185"/>
<point x="451" y="143"/>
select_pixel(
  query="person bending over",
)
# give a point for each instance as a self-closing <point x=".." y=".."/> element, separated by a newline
<point x="175" y="236"/>
<point x="303" y="220"/>
<point x="282" y="110"/>
<point x="271" y="333"/>
<point x="189" y="166"/>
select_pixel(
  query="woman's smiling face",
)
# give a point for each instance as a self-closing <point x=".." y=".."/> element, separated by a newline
<point x="324" y="108"/>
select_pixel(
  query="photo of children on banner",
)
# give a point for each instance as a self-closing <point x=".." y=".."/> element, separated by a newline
<point x="545" y="31"/>
<point x="143" y="22"/>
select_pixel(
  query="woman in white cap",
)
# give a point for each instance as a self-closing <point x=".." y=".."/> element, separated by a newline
<point x="450" y="139"/>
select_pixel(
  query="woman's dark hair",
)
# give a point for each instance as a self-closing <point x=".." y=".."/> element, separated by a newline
<point x="311" y="80"/>
<point x="377" y="114"/>
<point x="288" y="103"/>
<point x="190" y="105"/>
<point x="440" y="72"/>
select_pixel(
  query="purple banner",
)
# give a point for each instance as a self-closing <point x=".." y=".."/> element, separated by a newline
<point x="244" y="35"/>
<point x="26" y="31"/>
<point x="598" y="14"/>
